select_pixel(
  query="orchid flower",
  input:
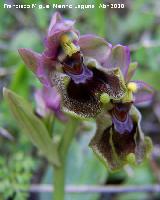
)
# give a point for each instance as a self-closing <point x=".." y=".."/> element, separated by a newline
<point x="63" y="64"/>
<point x="119" y="138"/>
<point x="93" y="79"/>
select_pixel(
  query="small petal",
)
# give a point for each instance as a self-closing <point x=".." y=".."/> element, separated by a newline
<point x="144" y="93"/>
<point x="30" y="58"/>
<point x="95" y="47"/>
<point x="55" y="18"/>
<point x="59" y="24"/>
<point x="57" y="27"/>
<point x="143" y="143"/>
<point x="131" y="70"/>
<point x="119" y="57"/>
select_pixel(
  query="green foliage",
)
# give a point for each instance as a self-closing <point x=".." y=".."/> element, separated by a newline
<point x="148" y="57"/>
<point x="133" y="22"/>
<point x="95" y="25"/>
<point x="15" y="176"/>
<point x="148" y="62"/>
<point x="147" y="76"/>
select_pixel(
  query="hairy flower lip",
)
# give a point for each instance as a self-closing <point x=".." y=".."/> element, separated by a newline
<point x="114" y="148"/>
<point x="99" y="82"/>
<point x="83" y="98"/>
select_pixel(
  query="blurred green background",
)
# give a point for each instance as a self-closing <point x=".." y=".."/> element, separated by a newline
<point x="138" y="26"/>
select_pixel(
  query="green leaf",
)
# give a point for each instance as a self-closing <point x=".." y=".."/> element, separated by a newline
<point x="32" y="126"/>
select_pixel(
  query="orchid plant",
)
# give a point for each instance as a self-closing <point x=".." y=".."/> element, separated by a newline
<point x="83" y="77"/>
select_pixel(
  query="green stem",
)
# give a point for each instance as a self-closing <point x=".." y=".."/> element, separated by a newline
<point x="59" y="172"/>
<point x="59" y="182"/>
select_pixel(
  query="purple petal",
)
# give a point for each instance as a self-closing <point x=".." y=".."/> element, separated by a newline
<point x="59" y="24"/>
<point x="30" y="58"/>
<point x="41" y="108"/>
<point x="55" y="18"/>
<point x="120" y="57"/>
<point x="144" y="94"/>
<point x="39" y="64"/>
<point x="52" y="100"/>
<point x="57" y="27"/>
<point x="157" y="110"/>
<point x="95" y="47"/>
<point x="45" y="68"/>
<point x="48" y="100"/>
